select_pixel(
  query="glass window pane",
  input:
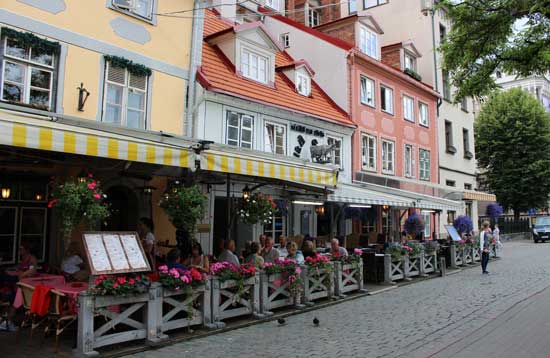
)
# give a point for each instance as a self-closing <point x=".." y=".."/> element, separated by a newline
<point x="143" y="8"/>
<point x="40" y="79"/>
<point x="15" y="49"/>
<point x="112" y="114"/>
<point x="268" y="138"/>
<point x="246" y="136"/>
<point x="14" y="72"/>
<point x="7" y="218"/>
<point x="246" y="145"/>
<point x="232" y="119"/>
<point x="233" y="133"/>
<point x="41" y="56"/>
<point x="114" y="94"/>
<point x="136" y="100"/>
<point x="39" y="97"/>
<point x="12" y="93"/>
<point x="32" y="221"/>
<point x="134" y="119"/>
<point x="247" y="122"/>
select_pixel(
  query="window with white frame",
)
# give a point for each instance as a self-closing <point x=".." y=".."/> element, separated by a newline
<point x="423" y="114"/>
<point x="352" y="6"/>
<point x="372" y="3"/>
<point x="141" y="8"/>
<point x="336" y="156"/>
<point x="28" y="74"/>
<point x="285" y="40"/>
<point x="369" y="152"/>
<point x="408" y="108"/>
<point x="274" y="4"/>
<point x="275" y="138"/>
<point x="314" y="17"/>
<point x="409" y="161"/>
<point x="388" y="156"/>
<point x="368" y="42"/>
<point x="427" y="224"/>
<point x="125" y="98"/>
<point x="386" y="99"/>
<point x="367" y="91"/>
<point x="409" y="62"/>
<point x="254" y="66"/>
<point x="239" y="129"/>
<point x="424" y="159"/>
<point x="276" y="228"/>
<point x="303" y="84"/>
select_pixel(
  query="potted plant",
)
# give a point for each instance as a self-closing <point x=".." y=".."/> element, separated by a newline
<point x="414" y="225"/>
<point x="348" y="272"/>
<point x="463" y="225"/>
<point x="318" y="278"/>
<point x="257" y="208"/>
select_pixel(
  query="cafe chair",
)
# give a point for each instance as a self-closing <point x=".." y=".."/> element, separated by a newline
<point x="60" y="314"/>
<point x="30" y="319"/>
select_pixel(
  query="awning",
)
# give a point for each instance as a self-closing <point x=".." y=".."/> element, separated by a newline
<point x="28" y="132"/>
<point x="266" y="166"/>
<point x="479" y="196"/>
<point x="351" y="194"/>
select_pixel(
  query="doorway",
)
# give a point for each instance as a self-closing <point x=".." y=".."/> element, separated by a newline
<point x="124" y="208"/>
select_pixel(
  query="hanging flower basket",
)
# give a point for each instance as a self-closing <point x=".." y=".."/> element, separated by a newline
<point x="185" y="206"/>
<point x="463" y="224"/>
<point x="414" y="224"/>
<point x="257" y="208"/>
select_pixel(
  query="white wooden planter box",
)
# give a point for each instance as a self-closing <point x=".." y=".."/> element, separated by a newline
<point x="275" y="293"/>
<point x="476" y="254"/>
<point x="413" y="265"/>
<point x="226" y="303"/>
<point x="429" y="263"/>
<point x="468" y="256"/>
<point x="348" y="278"/>
<point x="317" y="284"/>
<point x="393" y="269"/>
<point x="457" y="256"/>
<point x="194" y="303"/>
<point x="145" y="327"/>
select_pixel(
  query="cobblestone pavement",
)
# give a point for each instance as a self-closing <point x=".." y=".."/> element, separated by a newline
<point x="415" y="321"/>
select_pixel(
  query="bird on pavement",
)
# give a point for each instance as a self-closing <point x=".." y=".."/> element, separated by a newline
<point x="281" y="321"/>
<point x="316" y="321"/>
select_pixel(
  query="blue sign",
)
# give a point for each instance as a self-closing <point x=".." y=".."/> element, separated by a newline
<point x="453" y="233"/>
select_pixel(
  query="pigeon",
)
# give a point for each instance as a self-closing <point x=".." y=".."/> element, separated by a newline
<point x="281" y="321"/>
<point x="316" y="321"/>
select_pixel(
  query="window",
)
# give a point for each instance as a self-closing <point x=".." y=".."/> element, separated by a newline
<point x="466" y="143"/>
<point x="468" y="210"/>
<point x="388" y="157"/>
<point x="451" y="216"/>
<point x="369" y="152"/>
<point x="386" y="99"/>
<point x="427" y="224"/>
<point x="423" y="114"/>
<point x="409" y="164"/>
<point x="498" y="74"/>
<point x="446" y="86"/>
<point x="352" y="6"/>
<point x="368" y="42"/>
<point x="336" y="156"/>
<point x="239" y="129"/>
<point x="464" y="104"/>
<point x="28" y="75"/>
<point x="467" y="186"/>
<point x="303" y="84"/>
<point x="8" y="235"/>
<point x="424" y="156"/>
<point x="254" y="66"/>
<point x="139" y="8"/>
<point x="275" y="138"/>
<point x="276" y="228"/>
<point x="285" y="40"/>
<point x="125" y="98"/>
<point x="274" y="4"/>
<point x="449" y="148"/>
<point x="450" y="183"/>
<point x="314" y="17"/>
<point x="442" y="33"/>
<point x="372" y="3"/>
<point x="408" y="108"/>
<point x="410" y="62"/>
<point x="367" y="91"/>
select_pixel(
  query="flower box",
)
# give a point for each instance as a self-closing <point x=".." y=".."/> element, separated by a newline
<point x="275" y="292"/>
<point x="412" y="265"/>
<point x="318" y="283"/>
<point x="468" y="259"/>
<point x="457" y="254"/>
<point x="429" y="263"/>
<point x="394" y="268"/>
<point x="348" y="277"/>
<point x="232" y="298"/>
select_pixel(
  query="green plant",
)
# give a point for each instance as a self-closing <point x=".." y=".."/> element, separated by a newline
<point x="257" y="208"/>
<point x="290" y="272"/>
<point x="132" y="67"/>
<point x="416" y="249"/>
<point x="78" y="201"/>
<point x="120" y="285"/>
<point x="396" y="251"/>
<point x="413" y="74"/>
<point x="27" y="39"/>
<point x="184" y="206"/>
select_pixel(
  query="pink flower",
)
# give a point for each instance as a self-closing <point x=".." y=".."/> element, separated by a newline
<point x="358" y="251"/>
<point x="185" y="279"/>
<point x="268" y="264"/>
<point x="163" y="269"/>
<point x="97" y="196"/>
<point x="131" y="281"/>
<point x="173" y="272"/>
<point x="298" y="270"/>
<point x="115" y="285"/>
<point x="92" y="185"/>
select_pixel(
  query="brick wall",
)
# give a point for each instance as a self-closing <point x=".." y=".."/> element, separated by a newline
<point x="345" y="33"/>
<point x="392" y="57"/>
<point x="295" y="10"/>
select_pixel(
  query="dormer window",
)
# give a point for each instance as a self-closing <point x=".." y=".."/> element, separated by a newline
<point x="368" y="42"/>
<point x="254" y="65"/>
<point x="314" y="17"/>
<point x="410" y="62"/>
<point x="303" y="84"/>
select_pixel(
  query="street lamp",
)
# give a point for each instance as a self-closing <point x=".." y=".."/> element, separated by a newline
<point x="82" y="176"/>
<point x="320" y="210"/>
<point x="246" y="192"/>
<point x="6" y="192"/>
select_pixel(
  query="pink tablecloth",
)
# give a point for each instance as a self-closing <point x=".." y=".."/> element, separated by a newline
<point x="47" y="280"/>
<point x="71" y="289"/>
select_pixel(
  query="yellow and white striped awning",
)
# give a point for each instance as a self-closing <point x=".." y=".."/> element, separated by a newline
<point x="28" y="132"/>
<point x="479" y="196"/>
<point x="265" y="167"/>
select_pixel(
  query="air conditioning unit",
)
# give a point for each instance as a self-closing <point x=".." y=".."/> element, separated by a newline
<point x="426" y="6"/>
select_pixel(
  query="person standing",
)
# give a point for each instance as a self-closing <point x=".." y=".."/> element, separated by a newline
<point x="485" y="238"/>
<point x="496" y="236"/>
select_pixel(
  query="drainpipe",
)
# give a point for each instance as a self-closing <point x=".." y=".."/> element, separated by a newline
<point x="194" y="63"/>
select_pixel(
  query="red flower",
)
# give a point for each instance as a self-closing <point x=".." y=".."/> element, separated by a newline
<point x="51" y="203"/>
<point x="90" y="175"/>
<point x="121" y="280"/>
<point x="131" y="281"/>
<point x="92" y="185"/>
<point x="97" y="281"/>
<point x="195" y="274"/>
<point x="97" y="196"/>
<point x="115" y="285"/>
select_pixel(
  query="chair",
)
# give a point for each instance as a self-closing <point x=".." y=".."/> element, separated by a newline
<point x="4" y="308"/>
<point x="59" y="313"/>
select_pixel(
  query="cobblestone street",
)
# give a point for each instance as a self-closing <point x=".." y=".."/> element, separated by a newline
<point x="418" y="320"/>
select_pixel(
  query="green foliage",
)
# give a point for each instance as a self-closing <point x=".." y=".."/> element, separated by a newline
<point x="132" y="67"/>
<point x="512" y="135"/>
<point x="79" y="201"/>
<point x="120" y="285"/>
<point x="257" y="208"/>
<point x="482" y="39"/>
<point x="29" y="40"/>
<point x="184" y="206"/>
<point x="413" y="74"/>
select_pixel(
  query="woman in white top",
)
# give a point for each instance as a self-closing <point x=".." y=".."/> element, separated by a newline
<point x="485" y="238"/>
<point x="198" y="259"/>
<point x="145" y="230"/>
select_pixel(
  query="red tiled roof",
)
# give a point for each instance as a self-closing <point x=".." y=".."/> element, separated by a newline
<point x="218" y="74"/>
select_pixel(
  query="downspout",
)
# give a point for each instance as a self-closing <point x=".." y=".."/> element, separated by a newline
<point x="194" y="63"/>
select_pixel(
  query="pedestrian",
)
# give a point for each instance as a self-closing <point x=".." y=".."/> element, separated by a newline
<point x="496" y="236"/>
<point x="485" y="239"/>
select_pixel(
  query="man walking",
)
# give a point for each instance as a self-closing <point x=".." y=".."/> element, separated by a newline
<point x="485" y="239"/>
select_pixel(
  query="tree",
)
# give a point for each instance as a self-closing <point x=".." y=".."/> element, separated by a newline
<point x="482" y="39"/>
<point x="512" y="135"/>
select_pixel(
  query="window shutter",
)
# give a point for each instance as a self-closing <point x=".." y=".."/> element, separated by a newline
<point x="116" y="74"/>
<point x="139" y="82"/>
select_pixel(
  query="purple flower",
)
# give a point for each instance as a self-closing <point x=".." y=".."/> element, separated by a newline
<point x="414" y="224"/>
<point x="463" y="224"/>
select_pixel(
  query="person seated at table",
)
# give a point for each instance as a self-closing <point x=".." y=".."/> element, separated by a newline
<point x="228" y="253"/>
<point x="294" y="254"/>
<point x="307" y="249"/>
<point x="173" y="260"/>
<point x="73" y="267"/>
<point x="283" y="252"/>
<point x="145" y="230"/>
<point x="198" y="260"/>
<point x="262" y="239"/>
<point x="336" y="250"/>
<point x="254" y="256"/>
<point x="269" y="253"/>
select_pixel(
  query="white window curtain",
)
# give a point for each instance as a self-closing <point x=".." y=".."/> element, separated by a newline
<point x="367" y="91"/>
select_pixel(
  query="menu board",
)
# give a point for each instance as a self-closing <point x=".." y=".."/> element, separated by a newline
<point x="114" y="252"/>
<point x="453" y="233"/>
